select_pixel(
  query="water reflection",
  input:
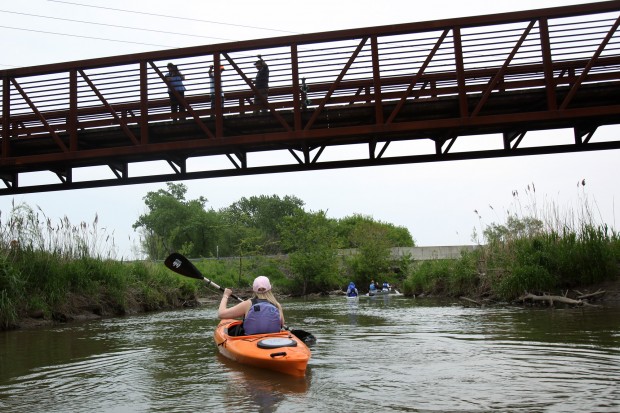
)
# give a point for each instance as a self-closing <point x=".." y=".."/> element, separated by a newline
<point x="259" y="388"/>
<point x="353" y="307"/>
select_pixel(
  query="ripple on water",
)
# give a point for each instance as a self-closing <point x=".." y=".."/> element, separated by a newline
<point x="106" y="376"/>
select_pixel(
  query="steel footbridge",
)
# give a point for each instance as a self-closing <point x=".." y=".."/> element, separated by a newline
<point x="434" y="82"/>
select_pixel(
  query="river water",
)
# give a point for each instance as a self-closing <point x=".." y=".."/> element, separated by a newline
<point x="381" y="354"/>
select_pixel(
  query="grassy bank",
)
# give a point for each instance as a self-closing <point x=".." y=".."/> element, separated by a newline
<point x="60" y="271"/>
<point x="545" y="264"/>
<point x="46" y="286"/>
<point x="536" y="252"/>
<point x="40" y="285"/>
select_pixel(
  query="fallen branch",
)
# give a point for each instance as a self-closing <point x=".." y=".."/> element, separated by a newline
<point x="551" y="299"/>
<point x="472" y="301"/>
<point x="586" y="296"/>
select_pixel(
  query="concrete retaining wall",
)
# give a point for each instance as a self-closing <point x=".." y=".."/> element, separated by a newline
<point x="425" y="253"/>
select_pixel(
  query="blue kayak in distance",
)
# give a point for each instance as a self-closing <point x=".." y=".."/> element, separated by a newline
<point x="382" y="293"/>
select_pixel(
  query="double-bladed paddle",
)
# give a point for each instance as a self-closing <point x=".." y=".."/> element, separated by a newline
<point x="181" y="265"/>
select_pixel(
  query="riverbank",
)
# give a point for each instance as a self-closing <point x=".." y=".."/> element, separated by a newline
<point x="77" y="290"/>
<point x="606" y="293"/>
<point x="80" y="308"/>
<point x="41" y="289"/>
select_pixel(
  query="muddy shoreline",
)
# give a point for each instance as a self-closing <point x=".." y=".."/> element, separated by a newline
<point x="79" y="309"/>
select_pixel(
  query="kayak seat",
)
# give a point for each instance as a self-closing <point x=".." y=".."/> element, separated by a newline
<point x="236" y="330"/>
<point x="276" y="342"/>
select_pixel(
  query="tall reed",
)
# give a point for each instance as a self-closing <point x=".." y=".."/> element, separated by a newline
<point x="539" y="248"/>
<point x="31" y="229"/>
<point x="54" y="270"/>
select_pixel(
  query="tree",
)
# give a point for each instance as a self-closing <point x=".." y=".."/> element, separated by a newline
<point x="372" y="259"/>
<point x="396" y="236"/>
<point x="258" y="218"/>
<point x="515" y="228"/>
<point x="172" y="223"/>
<point x="310" y="240"/>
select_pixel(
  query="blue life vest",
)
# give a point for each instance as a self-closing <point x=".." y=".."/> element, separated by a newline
<point x="351" y="291"/>
<point x="263" y="317"/>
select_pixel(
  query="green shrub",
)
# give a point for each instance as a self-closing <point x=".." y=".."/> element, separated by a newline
<point x="550" y="261"/>
<point x="8" y="311"/>
<point x="525" y="278"/>
<point x="11" y="294"/>
<point x="446" y="277"/>
<point x="429" y="277"/>
<point x="464" y="277"/>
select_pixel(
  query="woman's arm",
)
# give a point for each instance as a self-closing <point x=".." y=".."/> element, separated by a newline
<point x="237" y="311"/>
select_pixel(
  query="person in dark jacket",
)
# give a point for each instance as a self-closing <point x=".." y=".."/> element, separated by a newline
<point x="175" y="82"/>
<point x="261" y="82"/>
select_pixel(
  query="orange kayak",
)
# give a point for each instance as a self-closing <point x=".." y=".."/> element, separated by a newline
<point x="282" y="352"/>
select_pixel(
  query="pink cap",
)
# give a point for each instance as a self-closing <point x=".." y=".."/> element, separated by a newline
<point x="261" y="284"/>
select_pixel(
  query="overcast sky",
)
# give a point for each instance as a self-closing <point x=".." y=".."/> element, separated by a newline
<point x="437" y="202"/>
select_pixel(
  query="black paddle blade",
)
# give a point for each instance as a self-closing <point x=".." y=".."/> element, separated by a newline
<point x="181" y="265"/>
<point x="304" y="336"/>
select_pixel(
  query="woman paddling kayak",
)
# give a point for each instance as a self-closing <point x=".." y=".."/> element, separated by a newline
<point x="284" y="351"/>
<point x="261" y="314"/>
<point x="259" y="340"/>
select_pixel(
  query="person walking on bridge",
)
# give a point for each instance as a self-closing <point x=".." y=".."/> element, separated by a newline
<point x="261" y="82"/>
<point x="175" y="83"/>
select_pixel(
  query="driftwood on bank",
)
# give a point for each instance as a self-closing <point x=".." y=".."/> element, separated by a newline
<point x="469" y="300"/>
<point x="551" y="299"/>
<point x="583" y="296"/>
